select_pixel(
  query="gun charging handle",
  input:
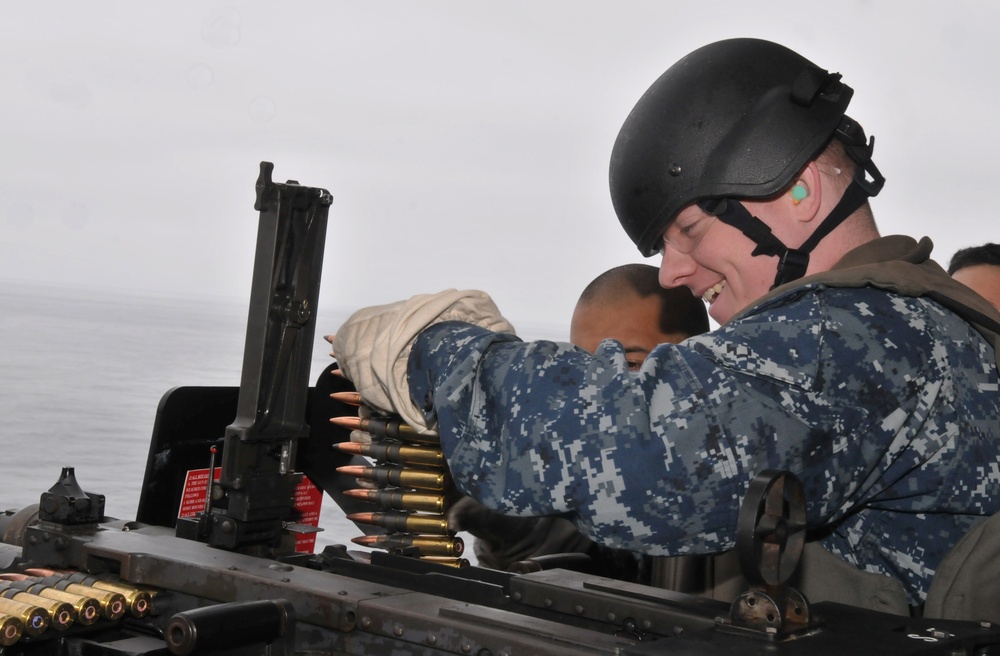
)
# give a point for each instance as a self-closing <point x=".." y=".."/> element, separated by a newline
<point x="237" y="624"/>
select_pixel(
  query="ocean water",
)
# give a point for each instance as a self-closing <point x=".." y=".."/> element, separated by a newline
<point x="82" y="372"/>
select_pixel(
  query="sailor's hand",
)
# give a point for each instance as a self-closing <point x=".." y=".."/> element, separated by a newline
<point x="467" y="514"/>
<point x="373" y="346"/>
<point x="504" y="540"/>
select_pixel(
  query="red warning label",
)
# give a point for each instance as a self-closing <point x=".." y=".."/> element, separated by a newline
<point x="308" y="500"/>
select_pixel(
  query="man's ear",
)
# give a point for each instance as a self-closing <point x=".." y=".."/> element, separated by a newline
<point x="805" y="196"/>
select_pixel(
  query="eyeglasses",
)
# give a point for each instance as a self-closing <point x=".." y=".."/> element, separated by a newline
<point x="683" y="235"/>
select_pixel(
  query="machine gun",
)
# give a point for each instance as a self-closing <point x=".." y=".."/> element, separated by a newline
<point x="227" y="581"/>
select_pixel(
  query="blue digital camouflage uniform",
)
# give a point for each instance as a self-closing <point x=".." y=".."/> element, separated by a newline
<point x="885" y="405"/>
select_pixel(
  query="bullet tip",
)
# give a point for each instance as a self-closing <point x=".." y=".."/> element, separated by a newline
<point x="349" y="398"/>
<point x="346" y="422"/>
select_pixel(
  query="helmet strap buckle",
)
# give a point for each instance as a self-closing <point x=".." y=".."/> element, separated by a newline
<point x="791" y="266"/>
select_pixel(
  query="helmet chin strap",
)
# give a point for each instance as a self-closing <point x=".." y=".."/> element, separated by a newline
<point x="793" y="262"/>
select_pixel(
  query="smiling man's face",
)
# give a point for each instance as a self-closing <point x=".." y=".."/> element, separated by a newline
<point x="720" y="269"/>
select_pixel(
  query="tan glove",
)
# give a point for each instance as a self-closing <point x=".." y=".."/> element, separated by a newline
<point x="373" y="346"/>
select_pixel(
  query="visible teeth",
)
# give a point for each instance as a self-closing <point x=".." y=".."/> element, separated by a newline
<point x="713" y="291"/>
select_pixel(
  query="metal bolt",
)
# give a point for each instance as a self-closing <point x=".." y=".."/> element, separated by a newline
<point x="579" y="609"/>
<point x="397" y="631"/>
<point x="366" y="622"/>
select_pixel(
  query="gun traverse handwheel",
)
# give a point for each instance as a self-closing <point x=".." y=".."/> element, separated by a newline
<point x="770" y="532"/>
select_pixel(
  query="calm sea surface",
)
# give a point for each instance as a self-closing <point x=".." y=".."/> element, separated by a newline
<point x="81" y="374"/>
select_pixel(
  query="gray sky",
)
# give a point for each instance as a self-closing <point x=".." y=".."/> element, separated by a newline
<point x="465" y="143"/>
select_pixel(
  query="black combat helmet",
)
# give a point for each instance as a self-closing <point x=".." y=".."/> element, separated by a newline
<point x="734" y="119"/>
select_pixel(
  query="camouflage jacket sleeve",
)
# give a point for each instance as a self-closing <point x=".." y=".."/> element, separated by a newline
<point x="860" y="392"/>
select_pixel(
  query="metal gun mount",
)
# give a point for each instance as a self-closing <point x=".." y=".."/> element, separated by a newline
<point x="254" y="496"/>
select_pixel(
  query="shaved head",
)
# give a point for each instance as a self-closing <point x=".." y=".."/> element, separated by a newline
<point x="628" y="304"/>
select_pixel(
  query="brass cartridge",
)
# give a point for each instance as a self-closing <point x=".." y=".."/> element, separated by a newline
<point x="404" y="522"/>
<point x="112" y="603"/>
<point x="139" y="602"/>
<point x="61" y="614"/>
<point x="400" y="454"/>
<point x="399" y="476"/>
<point x="426" y="545"/>
<point x="381" y="428"/>
<point x="34" y="619"/>
<point x="11" y="630"/>
<point x="402" y="500"/>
